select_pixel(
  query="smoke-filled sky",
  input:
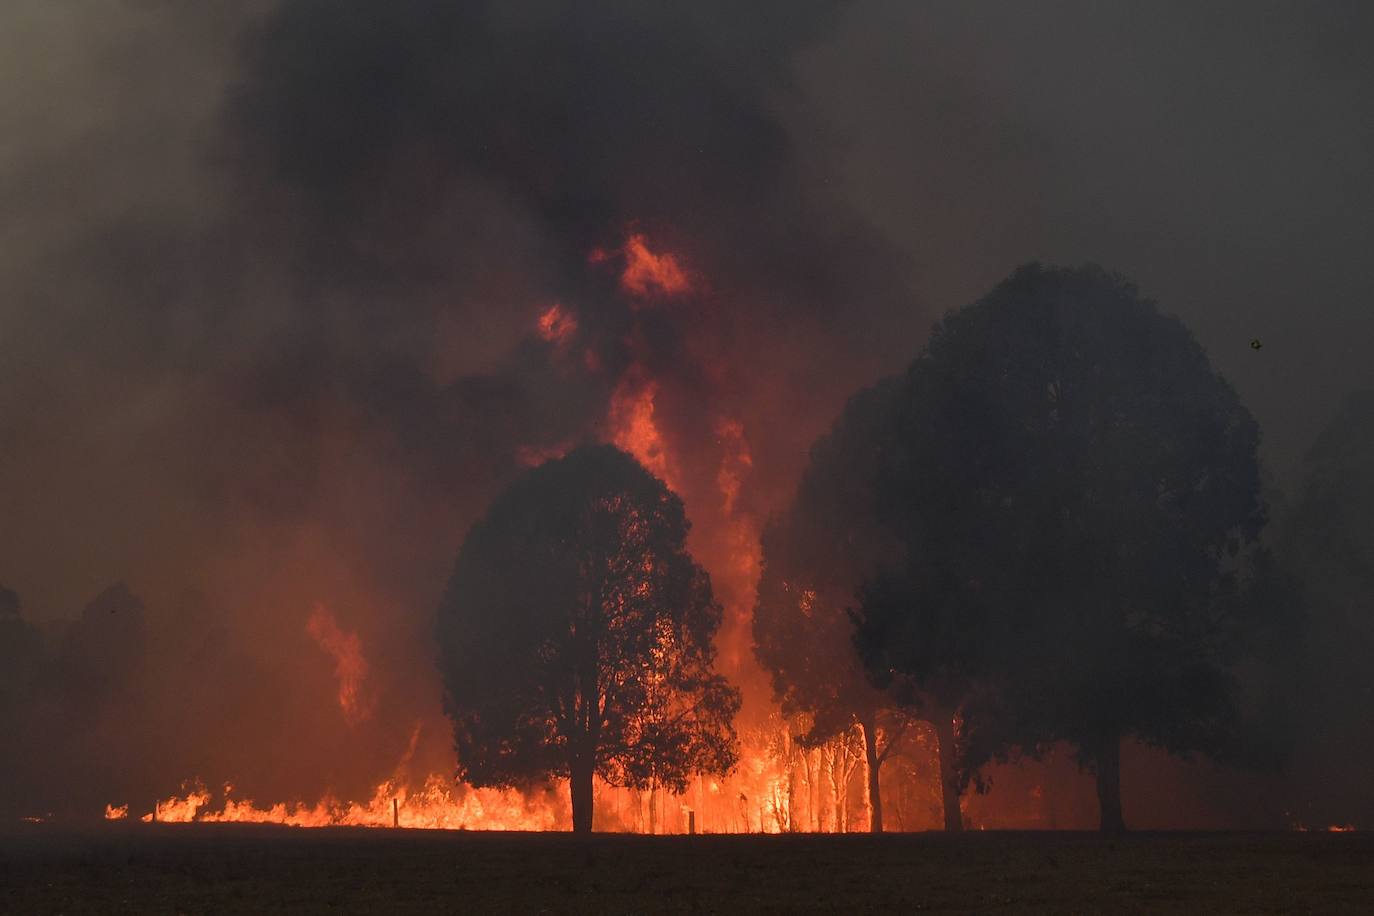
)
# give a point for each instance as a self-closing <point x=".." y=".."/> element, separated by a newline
<point x="271" y="272"/>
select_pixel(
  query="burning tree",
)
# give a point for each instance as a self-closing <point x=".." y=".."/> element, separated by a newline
<point x="575" y="637"/>
<point x="815" y="556"/>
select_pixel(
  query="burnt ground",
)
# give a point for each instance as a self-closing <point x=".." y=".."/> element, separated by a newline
<point x="216" y="868"/>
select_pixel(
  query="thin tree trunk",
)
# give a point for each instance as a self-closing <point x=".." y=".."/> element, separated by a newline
<point x="1109" y="783"/>
<point x="875" y="796"/>
<point x="791" y="785"/>
<point x="949" y="776"/>
<point x="580" y="784"/>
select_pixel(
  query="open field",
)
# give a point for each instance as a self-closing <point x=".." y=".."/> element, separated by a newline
<point x="246" y="869"/>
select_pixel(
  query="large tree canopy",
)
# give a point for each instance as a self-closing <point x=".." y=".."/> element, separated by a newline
<point x="1092" y="483"/>
<point x="575" y="637"/>
<point x="1328" y="540"/>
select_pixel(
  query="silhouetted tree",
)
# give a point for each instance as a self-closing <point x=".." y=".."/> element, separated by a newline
<point x="21" y="658"/>
<point x="575" y="636"/>
<point x="1328" y="540"/>
<point x="1101" y="485"/>
<point x="103" y="650"/>
<point x="815" y="556"/>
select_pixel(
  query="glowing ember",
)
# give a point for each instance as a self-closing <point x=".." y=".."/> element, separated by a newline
<point x="350" y="667"/>
<point x="557" y="325"/>
<point x="116" y="814"/>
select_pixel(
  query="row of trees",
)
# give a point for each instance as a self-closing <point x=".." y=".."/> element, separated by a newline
<point x="1045" y="533"/>
<point x="1036" y="535"/>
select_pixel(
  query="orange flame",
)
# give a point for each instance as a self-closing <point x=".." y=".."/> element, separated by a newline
<point x="634" y="429"/>
<point x="778" y="785"/>
<point x="350" y="667"/>
<point x="439" y="804"/>
<point x="646" y="272"/>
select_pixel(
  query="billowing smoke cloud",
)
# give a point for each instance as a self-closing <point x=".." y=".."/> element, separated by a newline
<point x="292" y="380"/>
<point x="272" y="276"/>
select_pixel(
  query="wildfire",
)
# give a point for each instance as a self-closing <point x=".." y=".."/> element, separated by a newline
<point x="634" y="429"/>
<point x="778" y="786"/>
<point x="350" y="667"/>
<point x="439" y="804"/>
<point x="646" y="273"/>
<point x="736" y="463"/>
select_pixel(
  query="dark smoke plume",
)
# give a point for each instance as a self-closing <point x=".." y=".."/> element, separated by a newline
<point x="298" y="378"/>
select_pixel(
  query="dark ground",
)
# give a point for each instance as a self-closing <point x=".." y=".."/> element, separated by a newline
<point x="245" y="869"/>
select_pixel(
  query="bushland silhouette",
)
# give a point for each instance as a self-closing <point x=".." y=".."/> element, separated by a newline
<point x="1328" y="540"/>
<point x="575" y="636"/>
<point x="1078" y="491"/>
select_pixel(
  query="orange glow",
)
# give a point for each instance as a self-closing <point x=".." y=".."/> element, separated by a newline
<point x="646" y="273"/>
<point x="530" y="456"/>
<point x="735" y="464"/>
<point x="350" y="667"/>
<point x="438" y="804"/>
<point x="778" y="785"/>
<point x="557" y="325"/>
<point x="633" y="427"/>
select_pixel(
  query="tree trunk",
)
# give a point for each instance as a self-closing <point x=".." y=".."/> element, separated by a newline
<point x="949" y="776"/>
<point x="580" y="784"/>
<point x="875" y="795"/>
<point x="1109" y="783"/>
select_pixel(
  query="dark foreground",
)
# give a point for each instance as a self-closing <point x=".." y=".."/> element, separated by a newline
<point x="243" y="869"/>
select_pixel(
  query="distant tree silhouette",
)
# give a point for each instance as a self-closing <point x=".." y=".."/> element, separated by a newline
<point x="816" y="554"/>
<point x="1328" y="540"/>
<point x="21" y="658"/>
<point x="1097" y="486"/>
<point x="575" y="636"/>
<point x="103" y="649"/>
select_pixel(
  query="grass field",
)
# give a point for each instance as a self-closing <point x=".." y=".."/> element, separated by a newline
<point x="244" y="869"/>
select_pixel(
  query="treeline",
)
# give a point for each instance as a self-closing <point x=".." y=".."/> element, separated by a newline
<point x="1051" y="531"/>
<point x="125" y="699"/>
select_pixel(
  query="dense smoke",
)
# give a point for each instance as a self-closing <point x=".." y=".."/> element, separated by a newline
<point x="298" y="388"/>
<point x="273" y="276"/>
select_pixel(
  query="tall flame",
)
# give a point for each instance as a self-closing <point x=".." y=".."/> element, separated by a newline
<point x="350" y="667"/>
<point x="778" y="786"/>
<point x="634" y="428"/>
